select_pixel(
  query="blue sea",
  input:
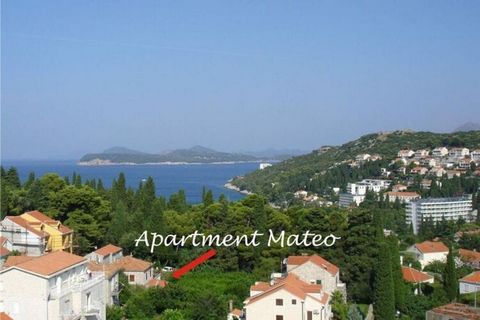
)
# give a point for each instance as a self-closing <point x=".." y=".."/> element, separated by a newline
<point x="168" y="178"/>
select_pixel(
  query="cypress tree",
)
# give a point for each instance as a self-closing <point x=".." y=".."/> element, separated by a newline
<point x="12" y="178"/>
<point x="384" y="295"/>
<point x="30" y="180"/>
<point x="450" y="283"/>
<point x="398" y="284"/>
<point x="208" y="198"/>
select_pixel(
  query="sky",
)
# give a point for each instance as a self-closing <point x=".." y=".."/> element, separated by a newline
<point x="83" y="76"/>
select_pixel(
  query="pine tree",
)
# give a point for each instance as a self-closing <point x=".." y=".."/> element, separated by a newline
<point x="30" y="180"/>
<point x="208" y="198"/>
<point x="450" y="283"/>
<point x="384" y="295"/>
<point x="12" y="178"/>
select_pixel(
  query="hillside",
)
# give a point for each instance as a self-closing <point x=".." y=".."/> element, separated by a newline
<point x="195" y="154"/>
<point x="326" y="167"/>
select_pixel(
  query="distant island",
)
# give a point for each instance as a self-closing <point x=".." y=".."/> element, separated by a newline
<point x="196" y="154"/>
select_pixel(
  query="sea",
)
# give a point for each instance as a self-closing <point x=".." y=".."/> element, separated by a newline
<point x="168" y="178"/>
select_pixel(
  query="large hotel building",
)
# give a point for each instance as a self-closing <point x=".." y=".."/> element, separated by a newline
<point x="438" y="209"/>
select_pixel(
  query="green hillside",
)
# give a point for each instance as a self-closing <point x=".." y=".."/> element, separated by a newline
<point x="325" y="168"/>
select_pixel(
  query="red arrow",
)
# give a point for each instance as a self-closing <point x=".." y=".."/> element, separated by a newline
<point x="204" y="257"/>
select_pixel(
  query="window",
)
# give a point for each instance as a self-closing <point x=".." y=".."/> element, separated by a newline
<point x="319" y="281"/>
<point x="294" y="301"/>
<point x="278" y="317"/>
<point x="279" y="302"/>
<point x="131" y="278"/>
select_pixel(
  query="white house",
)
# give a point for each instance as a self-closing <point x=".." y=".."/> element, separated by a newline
<point x="429" y="251"/>
<point x="470" y="283"/>
<point x="404" y="196"/>
<point x="458" y="152"/>
<point x="428" y="161"/>
<point x="23" y="237"/>
<point x="317" y="270"/>
<point x="5" y="248"/>
<point x="475" y="155"/>
<point x="422" y="153"/>
<point x="362" y="157"/>
<point x="137" y="271"/>
<point x="287" y="298"/>
<point x="111" y="282"/>
<point x="106" y="254"/>
<point x="416" y="277"/>
<point x="439" y="152"/>
<point x="53" y="286"/>
<point x="405" y="153"/>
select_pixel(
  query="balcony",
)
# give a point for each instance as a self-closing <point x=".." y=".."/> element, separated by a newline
<point x="78" y="284"/>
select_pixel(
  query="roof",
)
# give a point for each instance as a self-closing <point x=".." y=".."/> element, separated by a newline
<point x="431" y="247"/>
<point x="110" y="269"/>
<point x="403" y="194"/>
<point x="14" y="260"/>
<point x="2" y="240"/>
<point x="473" y="277"/>
<point x="294" y="286"/>
<point x="236" y="312"/>
<point x="260" y="286"/>
<point x="469" y="255"/>
<point x="43" y="218"/>
<point x="24" y="224"/>
<point x="50" y="263"/>
<point x="108" y="249"/>
<point x="156" y="283"/>
<point x="4" y="316"/>
<point x="4" y="251"/>
<point x="316" y="259"/>
<point x="132" y="264"/>
<point x="415" y="276"/>
<point x="459" y="311"/>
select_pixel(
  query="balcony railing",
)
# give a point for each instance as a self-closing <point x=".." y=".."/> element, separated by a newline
<point x="79" y="284"/>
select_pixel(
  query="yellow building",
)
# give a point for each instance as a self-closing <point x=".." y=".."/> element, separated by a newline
<point x="60" y="236"/>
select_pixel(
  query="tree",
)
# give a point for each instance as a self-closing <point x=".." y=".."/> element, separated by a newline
<point x="397" y="275"/>
<point x="339" y="307"/>
<point x="384" y="295"/>
<point x="208" y="198"/>
<point x="171" y="314"/>
<point x="450" y="281"/>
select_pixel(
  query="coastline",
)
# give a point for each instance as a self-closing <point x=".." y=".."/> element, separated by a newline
<point x="166" y="163"/>
<point x="230" y="186"/>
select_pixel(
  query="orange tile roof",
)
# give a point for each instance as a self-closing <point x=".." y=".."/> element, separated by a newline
<point x="108" y="249"/>
<point x="50" y="263"/>
<point x="157" y="283"/>
<point x="2" y="240"/>
<point x="469" y="255"/>
<point x="403" y="194"/>
<point x="236" y="312"/>
<point x="473" y="277"/>
<point x="24" y="224"/>
<point x="431" y="247"/>
<point x="291" y="284"/>
<point x="415" y="276"/>
<point x="3" y="251"/>
<point x="260" y="286"/>
<point x="459" y="311"/>
<point x="316" y="259"/>
<point x="132" y="264"/>
<point x="4" y="316"/>
<point x="40" y="216"/>
<point x="14" y="260"/>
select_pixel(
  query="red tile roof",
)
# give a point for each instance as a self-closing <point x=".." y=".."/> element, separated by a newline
<point x="431" y="247"/>
<point x="40" y="216"/>
<point x="108" y="249"/>
<point x="473" y="277"/>
<point x="260" y="286"/>
<point x="293" y="285"/>
<point x="402" y="194"/>
<point x="316" y="259"/>
<point x="131" y="264"/>
<point x="24" y="224"/>
<point x="415" y="276"/>
<point x="469" y="255"/>
<point x="458" y="311"/>
<point x="4" y="251"/>
<point x="14" y="260"/>
<point x="236" y="312"/>
<point x="2" y="240"/>
<point x="4" y="316"/>
<point x="157" y="283"/>
<point x="50" y="263"/>
<point x="109" y="269"/>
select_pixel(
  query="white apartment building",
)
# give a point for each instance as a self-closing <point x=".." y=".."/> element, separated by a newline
<point x="422" y="153"/>
<point x="429" y="251"/>
<point x="23" y="237"/>
<point x="475" y="155"/>
<point x="51" y="287"/>
<point x="402" y="196"/>
<point x="458" y="152"/>
<point x="439" y="152"/>
<point x="438" y="209"/>
<point x="356" y="191"/>
<point x="287" y="298"/>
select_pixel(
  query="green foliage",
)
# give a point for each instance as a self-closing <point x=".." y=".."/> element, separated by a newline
<point x="384" y="295"/>
<point x="450" y="281"/>
<point x="171" y="314"/>
<point x="340" y="309"/>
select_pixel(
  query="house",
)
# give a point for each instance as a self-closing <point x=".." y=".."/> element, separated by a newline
<point x="464" y="163"/>
<point x="405" y="153"/>
<point x="426" y="183"/>
<point x="470" y="283"/>
<point x="439" y="152"/>
<point x="458" y="152"/>
<point x="33" y="233"/>
<point x="475" y="155"/>
<point x="422" y="153"/>
<point x="470" y="258"/>
<point x="428" y="161"/>
<point x="287" y="298"/>
<point x="6" y="248"/>
<point x="404" y="196"/>
<point x="356" y="191"/>
<point x="138" y="271"/>
<point x="300" y="194"/>
<point x="414" y="276"/>
<point x="235" y="314"/>
<point x="453" y="311"/>
<point x="56" y="285"/>
<point x="106" y="254"/>
<point x="315" y="269"/>
<point x="453" y="173"/>
<point x="399" y="188"/>
<point x="156" y="283"/>
<point x="429" y="251"/>
<point x="419" y="170"/>
<point x="111" y="281"/>
<point x="438" y="171"/>
<point x="362" y="157"/>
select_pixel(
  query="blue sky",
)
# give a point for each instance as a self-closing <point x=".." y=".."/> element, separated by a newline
<point x="82" y="76"/>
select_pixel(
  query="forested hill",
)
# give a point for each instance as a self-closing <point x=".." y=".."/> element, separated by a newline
<point x="314" y="171"/>
<point x="195" y="154"/>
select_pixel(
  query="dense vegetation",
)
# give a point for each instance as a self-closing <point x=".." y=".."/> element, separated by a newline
<point x="120" y="214"/>
<point x="327" y="167"/>
<point x="195" y="154"/>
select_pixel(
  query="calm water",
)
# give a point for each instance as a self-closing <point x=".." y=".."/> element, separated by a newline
<point x="168" y="178"/>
